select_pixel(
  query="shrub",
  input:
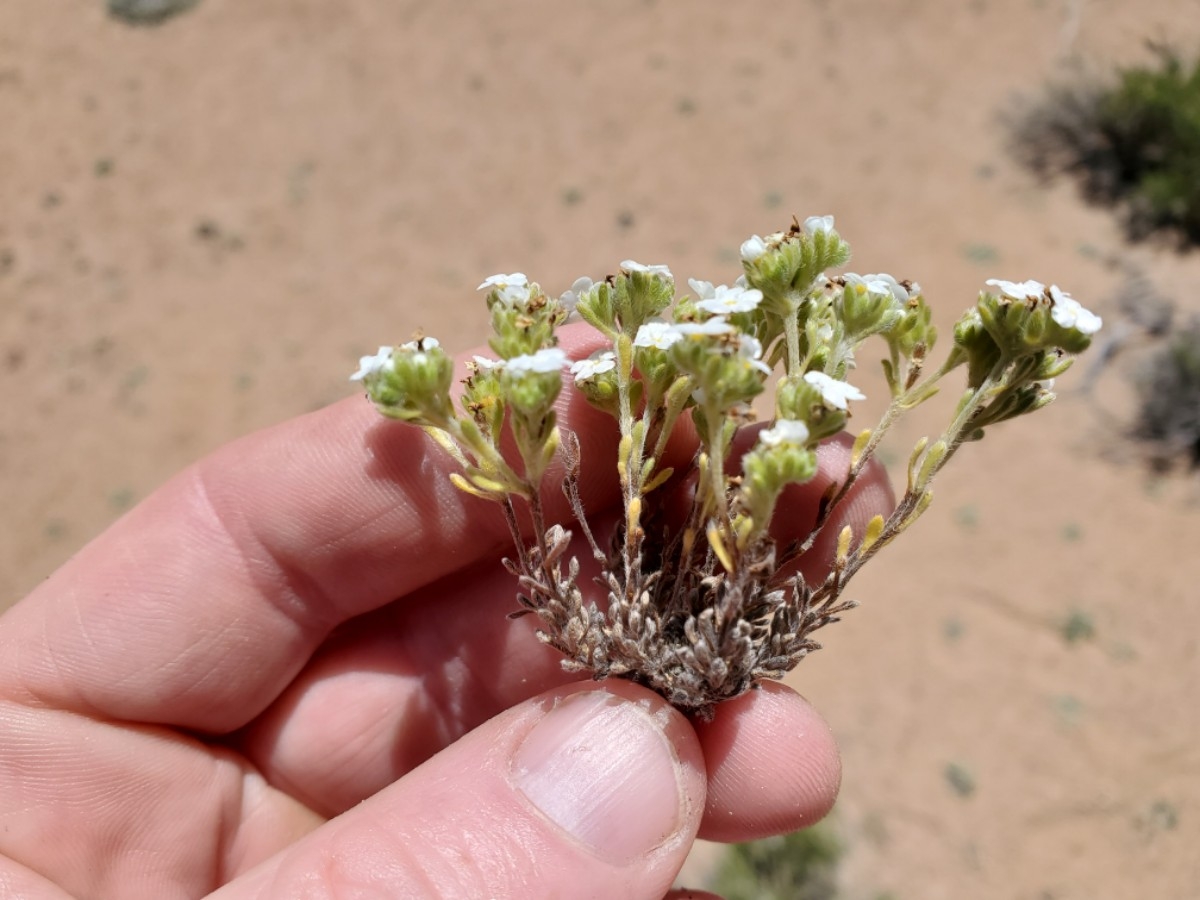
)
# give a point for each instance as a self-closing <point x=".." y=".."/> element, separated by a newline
<point x="1168" y="387"/>
<point x="1133" y="142"/>
<point x="798" y="866"/>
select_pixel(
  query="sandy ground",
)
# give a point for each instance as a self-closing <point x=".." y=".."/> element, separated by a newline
<point x="203" y="224"/>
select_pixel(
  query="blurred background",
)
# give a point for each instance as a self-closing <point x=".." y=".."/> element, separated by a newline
<point x="206" y="217"/>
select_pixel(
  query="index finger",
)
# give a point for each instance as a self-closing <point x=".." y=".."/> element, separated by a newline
<point x="200" y="605"/>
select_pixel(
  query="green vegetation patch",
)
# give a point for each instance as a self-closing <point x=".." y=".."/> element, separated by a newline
<point x="1168" y="387"/>
<point x="147" y="12"/>
<point x="1132" y="141"/>
<point x="797" y="866"/>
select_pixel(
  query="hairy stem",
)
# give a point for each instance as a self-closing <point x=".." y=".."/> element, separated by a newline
<point x="891" y="414"/>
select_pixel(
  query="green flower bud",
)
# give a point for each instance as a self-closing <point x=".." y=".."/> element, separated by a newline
<point x="1015" y="401"/>
<point x="526" y="329"/>
<point x="781" y="457"/>
<point x="800" y="400"/>
<point x="523" y="316"/>
<point x="1052" y="364"/>
<point x="410" y="382"/>
<point x="914" y="327"/>
<point x="530" y="384"/>
<point x="597" y="306"/>
<point x="817" y="400"/>
<point x="1071" y="326"/>
<point x="869" y="304"/>
<point x="726" y="365"/>
<point x="1026" y="317"/>
<point x="974" y="345"/>
<point x="641" y="293"/>
<point x="481" y="395"/>
<point x="1017" y="327"/>
<point x="596" y="379"/>
<point x="784" y="265"/>
<point x="822" y="334"/>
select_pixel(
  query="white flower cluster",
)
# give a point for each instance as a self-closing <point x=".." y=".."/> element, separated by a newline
<point x="661" y="271"/>
<point x="512" y="289"/>
<point x="756" y="246"/>
<point x="596" y="364"/>
<point x="722" y="300"/>
<point x="1064" y="309"/>
<point x="835" y="393"/>
<point x="661" y="335"/>
<point x="1070" y="313"/>
<point x="883" y="285"/>
<point x="785" y="432"/>
<point x="658" y="359"/>
<point x="657" y="335"/>
<point x="549" y="359"/>
<point x="570" y="298"/>
<point x="372" y="365"/>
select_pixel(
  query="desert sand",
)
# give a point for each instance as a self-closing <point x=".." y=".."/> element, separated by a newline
<point x="205" y="222"/>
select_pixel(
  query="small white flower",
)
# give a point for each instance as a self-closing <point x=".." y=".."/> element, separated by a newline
<point x="596" y="364"/>
<point x="658" y="335"/>
<point x="740" y="281"/>
<point x="883" y="280"/>
<point x="570" y="298"/>
<point x="513" y="289"/>
<point x="814" y="224"/>
<point x="714" y="326"/>
<point x="1070" y="313"/>
<point x="486" y="365"/>
<point x="750" y="348"/>
<point x="756" y="246"/>
<point x="515" y="280"/>
<point x="369" y="365"/>
<point x="753" y="247"/>
<point x="727" y="300"/>
<point x="881" y="285"/>
<point x="704" y="289"/>
<point x="833" y="392"/>
<point x="785" y="431"/>
<point x="550" y="359"/>
<point x="420" y="345"/>
<point x="1018" y="290"/>
<point x="630" y="266"/>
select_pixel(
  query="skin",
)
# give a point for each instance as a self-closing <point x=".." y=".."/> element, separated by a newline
<point x="289" y="673"/>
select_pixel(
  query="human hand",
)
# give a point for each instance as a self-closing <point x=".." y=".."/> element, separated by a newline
<point x="288" y="673"/>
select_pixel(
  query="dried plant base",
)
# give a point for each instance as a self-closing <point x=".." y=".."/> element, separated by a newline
<point x="697" y="642"/>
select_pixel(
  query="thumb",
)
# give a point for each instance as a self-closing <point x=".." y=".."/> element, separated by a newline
<point x="586" y="791"/>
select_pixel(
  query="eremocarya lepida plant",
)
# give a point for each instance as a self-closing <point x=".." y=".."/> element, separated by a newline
<point x="703" y="605"/>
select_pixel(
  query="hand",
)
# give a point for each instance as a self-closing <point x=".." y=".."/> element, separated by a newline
<point x="289" y="673"/>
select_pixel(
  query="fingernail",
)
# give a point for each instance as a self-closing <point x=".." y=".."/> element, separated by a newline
<point x="602" y="769"/>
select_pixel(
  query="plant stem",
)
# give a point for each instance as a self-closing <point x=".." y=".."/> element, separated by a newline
<point x="791" y="328"/>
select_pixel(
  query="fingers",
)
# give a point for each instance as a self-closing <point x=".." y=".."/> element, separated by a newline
<point x="581" y="791"/>
<point x="773" y="765"/>
<point x="409" y="679"/>
<point x="372" y="708"/>
<point x="200" y="605"/>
